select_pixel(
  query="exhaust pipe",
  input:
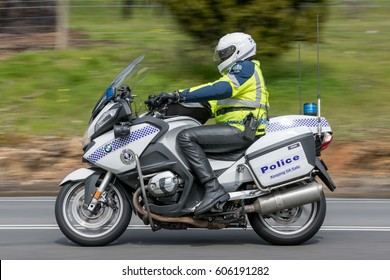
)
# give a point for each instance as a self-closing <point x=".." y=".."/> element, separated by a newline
<point x="284" y="199"/>
<point x="185" y="220"/>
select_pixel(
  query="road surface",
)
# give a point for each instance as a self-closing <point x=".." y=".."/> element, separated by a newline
<point x="354" y="229"/>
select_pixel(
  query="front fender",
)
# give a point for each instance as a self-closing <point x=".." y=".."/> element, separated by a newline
<point x="77" y="175"/>
<point x="90" y="177"/>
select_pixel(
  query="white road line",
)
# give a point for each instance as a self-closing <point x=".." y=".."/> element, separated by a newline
<point x="143" y="227"/>
<point x="354" y="228"/>
<point x="358" y="200"/>
<point x="28" y="227"/>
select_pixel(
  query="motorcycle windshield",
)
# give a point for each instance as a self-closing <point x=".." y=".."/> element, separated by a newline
<point x="109" y="93"/>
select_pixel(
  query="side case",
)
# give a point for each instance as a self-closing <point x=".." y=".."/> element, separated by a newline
<point x="281" y="157"/>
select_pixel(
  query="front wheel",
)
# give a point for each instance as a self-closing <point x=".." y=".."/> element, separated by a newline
<point x="110" y="220"/>
<point x="290" y="226"/>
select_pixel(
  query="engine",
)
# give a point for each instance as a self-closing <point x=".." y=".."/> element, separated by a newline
<point x="164" y="184"/>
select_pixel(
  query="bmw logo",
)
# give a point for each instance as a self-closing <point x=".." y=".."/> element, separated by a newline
<point x="107" y="148"/>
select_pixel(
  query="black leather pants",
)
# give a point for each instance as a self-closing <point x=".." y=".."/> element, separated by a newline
<point x="196" y="142"/>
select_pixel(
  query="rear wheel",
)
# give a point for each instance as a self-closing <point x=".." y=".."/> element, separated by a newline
<point x="110" y="220"/>
<point x="290" y="226"/>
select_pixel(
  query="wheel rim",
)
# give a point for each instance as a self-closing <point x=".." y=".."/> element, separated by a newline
<point x="291" y="221"/>
<point x="83" y="222"/>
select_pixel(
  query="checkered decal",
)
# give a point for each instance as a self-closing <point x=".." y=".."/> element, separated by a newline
<point x="308" y="122"/>
<point x="121" y="142"/>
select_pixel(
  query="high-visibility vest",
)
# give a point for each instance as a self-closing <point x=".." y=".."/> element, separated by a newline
<point x="232" y="97"/>
<point x="249" y="95"/>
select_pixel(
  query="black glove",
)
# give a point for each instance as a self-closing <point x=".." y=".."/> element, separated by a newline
<point x="163" y="98"/>
<point x="151" y="101"/>
<point x="168" y="97"/>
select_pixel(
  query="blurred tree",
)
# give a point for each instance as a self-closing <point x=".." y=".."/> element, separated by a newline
<point x="273" y="24"/>
<point x="127" y="8"/>
<point x="26" y="16"/>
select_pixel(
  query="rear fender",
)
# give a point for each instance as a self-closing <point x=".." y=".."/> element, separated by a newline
<point x="324" y="175"/>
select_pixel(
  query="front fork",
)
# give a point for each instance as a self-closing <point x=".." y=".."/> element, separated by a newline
<point x="102" y="187"/>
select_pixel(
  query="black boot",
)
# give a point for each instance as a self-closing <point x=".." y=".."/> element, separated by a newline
<point x="214" y="193"/>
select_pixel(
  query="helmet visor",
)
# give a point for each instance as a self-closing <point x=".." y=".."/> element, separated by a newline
<point x="221" y="55"/>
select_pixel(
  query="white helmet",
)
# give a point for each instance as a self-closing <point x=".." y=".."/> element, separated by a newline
<point x="233" y="47"/>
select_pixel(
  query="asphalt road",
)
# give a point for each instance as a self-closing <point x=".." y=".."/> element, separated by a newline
<point x="354" y="229"/>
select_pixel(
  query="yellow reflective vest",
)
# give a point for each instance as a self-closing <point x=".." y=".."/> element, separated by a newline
<point x="241" y="91"/>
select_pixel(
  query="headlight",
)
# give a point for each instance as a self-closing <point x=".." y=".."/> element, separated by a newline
<point x="105" y="118"/>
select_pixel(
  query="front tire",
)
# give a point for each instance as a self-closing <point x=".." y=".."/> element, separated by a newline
<point x="87" y="229"/>
<point x="290" y="226"/>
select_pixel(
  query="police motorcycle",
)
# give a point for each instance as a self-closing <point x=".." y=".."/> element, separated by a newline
<point x="135" y="167"/>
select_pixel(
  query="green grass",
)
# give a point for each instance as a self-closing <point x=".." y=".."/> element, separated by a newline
<point x="51" y="92"/>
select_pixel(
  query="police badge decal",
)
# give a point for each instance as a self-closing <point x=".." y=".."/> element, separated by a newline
<point x="127" y="156"/>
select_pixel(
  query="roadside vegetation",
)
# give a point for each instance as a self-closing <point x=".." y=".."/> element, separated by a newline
<point x="52" y="92"/>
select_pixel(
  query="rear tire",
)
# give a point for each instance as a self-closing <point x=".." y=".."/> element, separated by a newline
<point x="290" y="226"/>
<point x="87" y="229"/>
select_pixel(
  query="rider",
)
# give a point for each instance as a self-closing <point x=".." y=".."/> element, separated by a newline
<point x="239" y="100"/>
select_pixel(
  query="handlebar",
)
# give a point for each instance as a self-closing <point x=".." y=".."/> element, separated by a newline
<point x="155" y="103"/>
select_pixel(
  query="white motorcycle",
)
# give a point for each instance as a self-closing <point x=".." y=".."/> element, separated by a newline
<point x="136" y="166"/>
